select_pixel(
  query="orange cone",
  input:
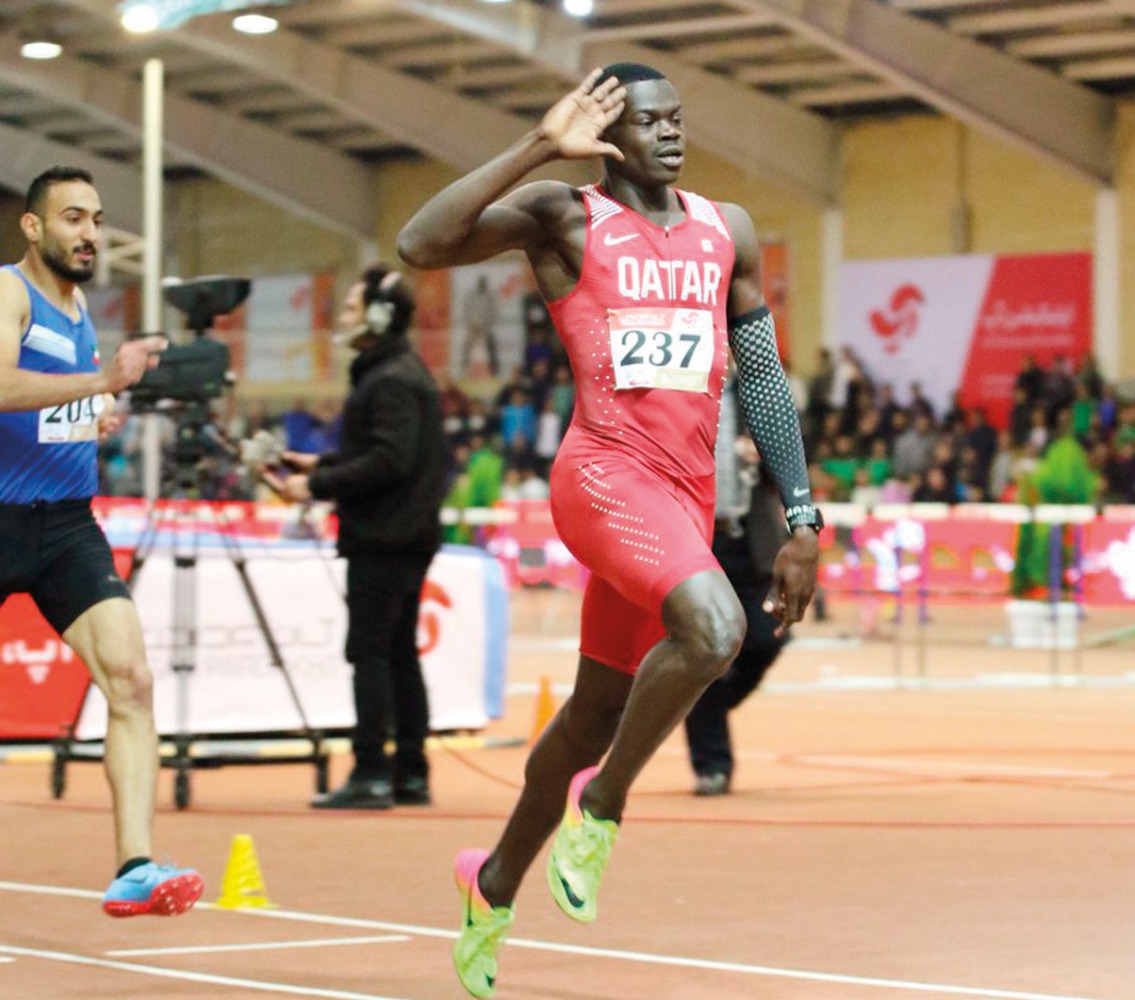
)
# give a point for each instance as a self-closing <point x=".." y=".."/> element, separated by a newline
<point x="545" y="709"/>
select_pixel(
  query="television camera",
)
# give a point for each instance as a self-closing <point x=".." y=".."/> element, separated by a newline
<point x="190" y="375"/>
<point x="197" y="371"/>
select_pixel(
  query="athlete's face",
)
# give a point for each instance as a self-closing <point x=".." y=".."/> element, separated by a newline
<point x="650" y="133"/>
<point x="68" y="234"/>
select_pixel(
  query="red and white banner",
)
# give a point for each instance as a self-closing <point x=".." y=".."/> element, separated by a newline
<point x="965" y="323"/>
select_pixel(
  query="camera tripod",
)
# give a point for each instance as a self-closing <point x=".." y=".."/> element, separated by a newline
<point x="163" y="519"/>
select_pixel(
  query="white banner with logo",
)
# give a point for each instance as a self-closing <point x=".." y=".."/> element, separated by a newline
<point x="231" y="685"/>
<point x="965" y="323"/>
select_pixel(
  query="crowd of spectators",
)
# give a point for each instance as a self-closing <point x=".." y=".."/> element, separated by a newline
<point x="867" y="447"/>
<point x="867" y="441"/>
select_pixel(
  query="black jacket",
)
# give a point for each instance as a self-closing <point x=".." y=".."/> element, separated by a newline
<point x="388" y="476"/>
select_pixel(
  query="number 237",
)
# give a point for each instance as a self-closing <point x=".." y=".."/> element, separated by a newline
<point x="661" y="348"/>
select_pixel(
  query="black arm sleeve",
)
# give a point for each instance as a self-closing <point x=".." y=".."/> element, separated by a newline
<point x="769" y="410"/>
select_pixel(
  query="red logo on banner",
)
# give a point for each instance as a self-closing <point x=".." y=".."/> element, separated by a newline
<point x="901" y="322"/>
<point x="429" y="621"/>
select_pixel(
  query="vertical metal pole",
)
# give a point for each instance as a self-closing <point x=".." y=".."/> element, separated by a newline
<point x="152" y="93"/>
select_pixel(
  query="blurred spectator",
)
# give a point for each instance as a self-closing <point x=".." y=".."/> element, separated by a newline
<point x="1083" y="412"/>
<point x="518" y="423"/>
<point x="878" y="463"/>
<point x="324" y="436"/>
<point x="1059" y="386"/>
<point x="955" y="415"/>
<point x="480" y="314"/>
<point x="1107" y="411"/>
<point x="486" y="472"/>
<point x="1038" y="428"/>
<point x="539" y="383"/>
<point x="1119" y="474"/>
<point x="819" y="390"/>
<point x="533" y="486"/>
<point x="1001" y="467"/>
<point x="935" y="488"/>
<point x="538" y="350"/>
<point x="913" y="446"/>
<point x="517" y="379"/>
<point x="983" y="439"/>
<point x="888" y="408"/>
<point x="1090" y="377"/>
<point x="797" y="386"/>
<point x="919" y="403"/>
<point x="1020" y="416"/>
<point x="1030" y="380"/>
<point x="841" y="466"/>
<point x="865" y="492"/>
<point x="298" y="423"/>
<point x="563" y="394"/>
<point x="549" y="431"/>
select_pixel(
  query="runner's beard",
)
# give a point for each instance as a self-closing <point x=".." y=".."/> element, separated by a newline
<point x="56" y="259"/>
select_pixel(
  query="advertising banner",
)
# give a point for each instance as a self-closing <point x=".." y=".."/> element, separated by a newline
<point x="965" y="323"/>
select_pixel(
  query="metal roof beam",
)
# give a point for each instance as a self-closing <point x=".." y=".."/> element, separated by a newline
<point x="1060" y="120"/>
<point x="249" y="155"/>
<point x="24" y="155"/>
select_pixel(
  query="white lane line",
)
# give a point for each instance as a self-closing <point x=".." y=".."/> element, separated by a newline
<point x="195" y="977"/>
<point x="935" y="766"/>
<point x="209" y="949"/>
<point x="644" y="958"/>
<point x="4" y="958"/>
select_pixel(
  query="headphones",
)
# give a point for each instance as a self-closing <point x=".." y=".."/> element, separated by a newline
<point x="380" y="313"/>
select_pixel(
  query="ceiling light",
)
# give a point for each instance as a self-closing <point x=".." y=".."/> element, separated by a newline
<point x="41" y="50"/>
<point x="496" y="1"/>
<point x="255" y="24"/>
<point x="578" y="8"/>
<point x="140" y="18"/>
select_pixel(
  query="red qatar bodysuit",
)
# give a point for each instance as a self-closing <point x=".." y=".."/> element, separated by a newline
<point x="633" y="482"/>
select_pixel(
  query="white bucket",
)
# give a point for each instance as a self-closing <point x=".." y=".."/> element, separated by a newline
<point x="1041" y="624"/>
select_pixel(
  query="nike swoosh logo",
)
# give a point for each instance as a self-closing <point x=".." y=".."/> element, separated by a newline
<point x="799" y="492"/>
<point x="572" y="898"/>
<point x="611" y="240"/>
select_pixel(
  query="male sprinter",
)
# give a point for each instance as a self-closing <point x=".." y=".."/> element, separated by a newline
<point x="648" y="287"/>
<point x="53" y="403"/>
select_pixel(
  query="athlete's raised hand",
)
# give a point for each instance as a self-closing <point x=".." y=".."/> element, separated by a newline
<point x="132" y="360"/>
<point x="575" y="123"/>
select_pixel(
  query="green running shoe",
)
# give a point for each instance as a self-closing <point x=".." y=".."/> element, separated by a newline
<point x="483" y="927"/>
<point x="579" y="854"/>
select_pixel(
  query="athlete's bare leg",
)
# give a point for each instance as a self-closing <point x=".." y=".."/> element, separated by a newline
<point x="576" y="738"/>
<point x="705" y="625"/>
<point x="108" y="637"/>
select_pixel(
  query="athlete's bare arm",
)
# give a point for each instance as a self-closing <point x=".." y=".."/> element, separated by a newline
<point x="794" y="571"/>
<point x="24" y="390"/>
<point x="745" y="283"/>
<point x="473" y="219"/>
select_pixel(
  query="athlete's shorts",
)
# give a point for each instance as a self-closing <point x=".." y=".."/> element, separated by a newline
<point x="640" y="533"/>
<point x="57" y="553"/>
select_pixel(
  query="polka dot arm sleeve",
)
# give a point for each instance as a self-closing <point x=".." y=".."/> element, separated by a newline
<point x="770" y="413"/>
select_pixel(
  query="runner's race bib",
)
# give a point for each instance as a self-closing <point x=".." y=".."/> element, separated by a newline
<point x="71" y="422"/>
<point x="661" y="348"/>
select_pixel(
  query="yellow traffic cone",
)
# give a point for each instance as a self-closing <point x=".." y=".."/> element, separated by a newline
<point x="545" y="709"/>
<point x="243" y="884"/>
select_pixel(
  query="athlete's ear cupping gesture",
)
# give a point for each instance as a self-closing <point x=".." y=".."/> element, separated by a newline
<point x="771" y="417"/>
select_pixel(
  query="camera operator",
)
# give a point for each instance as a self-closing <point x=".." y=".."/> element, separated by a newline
<point x="388" y="481"/>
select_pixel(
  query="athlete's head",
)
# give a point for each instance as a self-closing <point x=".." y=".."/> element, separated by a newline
<point x="649" y="132"/>
<point x="62" y="222"/>
<point x="379" y="304"/>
